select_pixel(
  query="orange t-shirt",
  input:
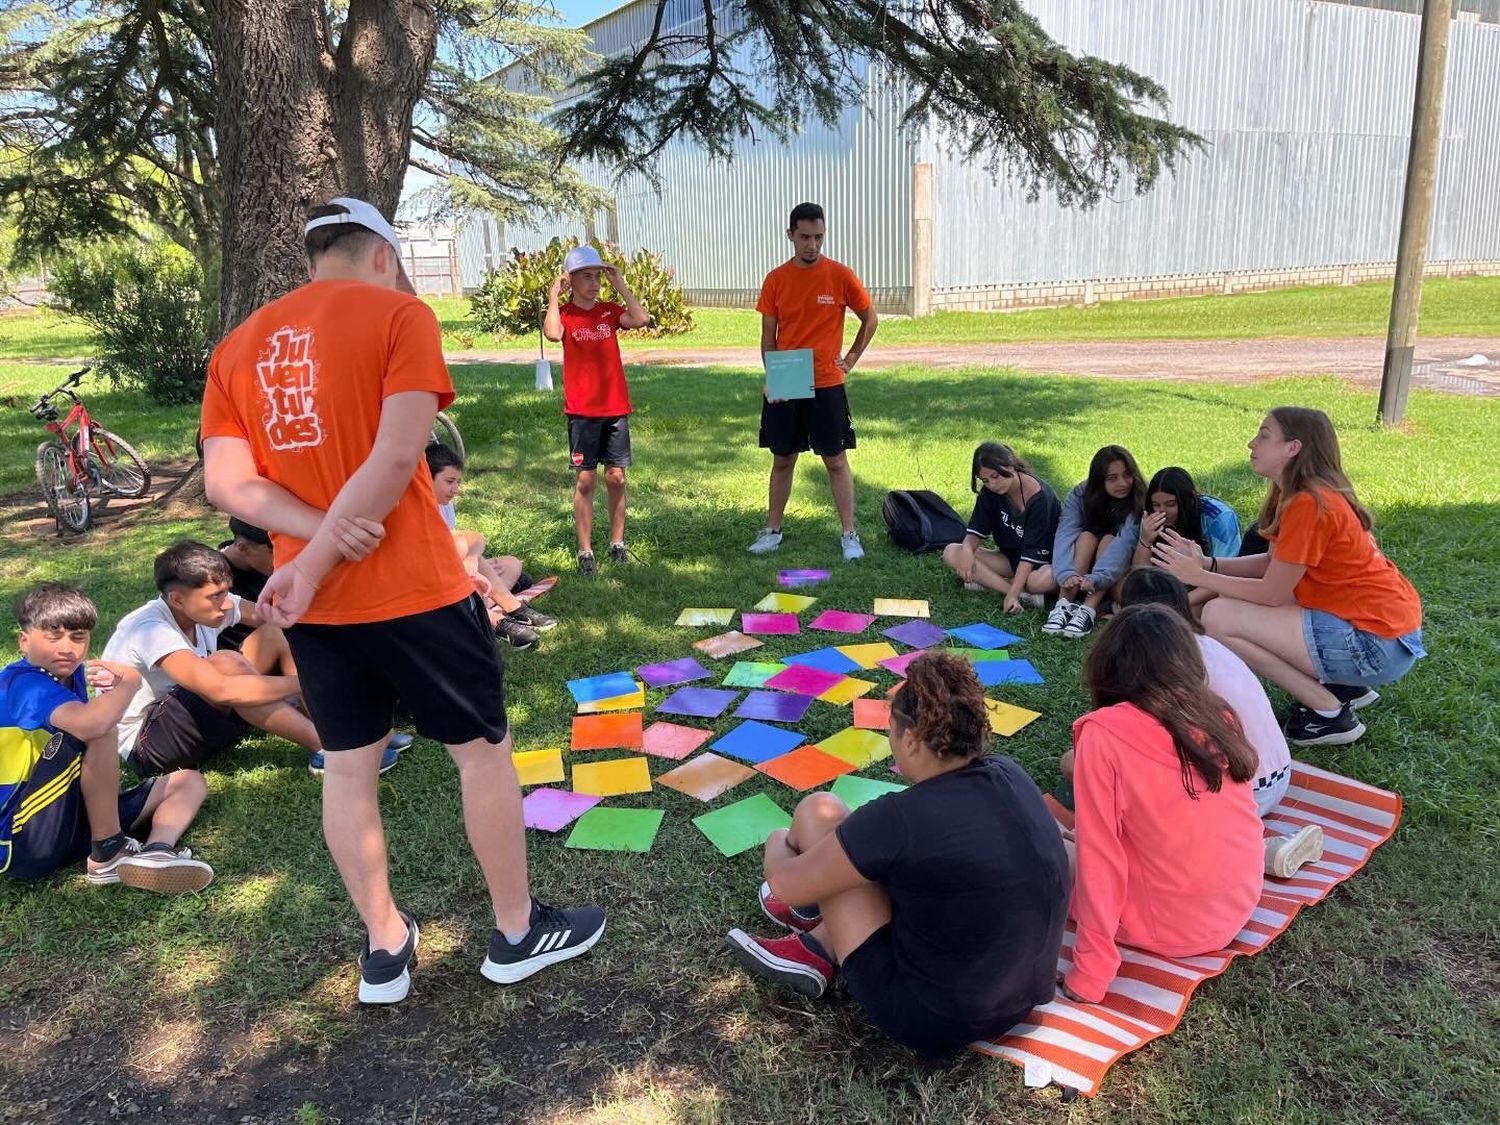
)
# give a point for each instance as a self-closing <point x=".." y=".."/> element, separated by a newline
<point x="808" y="303"/>
<point x="303" y="381"/>
<point x="1346" y="574"/>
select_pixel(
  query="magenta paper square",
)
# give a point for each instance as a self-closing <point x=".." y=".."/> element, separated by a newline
<point x="552" y="810"/>
<point x="765" y="623"/>
<point x="804" y="680"/>
<point x="841" y="621"/>
<point x="680" y="671"/>
<point x="898" y="664"/>
<point x="917" y="633"/>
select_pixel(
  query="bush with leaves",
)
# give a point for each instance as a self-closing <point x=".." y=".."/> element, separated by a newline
<point x="513" y="298"/>
<point x="144" y="304"/>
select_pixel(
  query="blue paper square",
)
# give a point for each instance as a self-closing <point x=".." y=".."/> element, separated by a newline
<point x="992" y="672"/>
<point x="608" y="686"/>
<point x="756" y="742"/>
<point x="981" y="635"/>
<point x="828" y="659"/>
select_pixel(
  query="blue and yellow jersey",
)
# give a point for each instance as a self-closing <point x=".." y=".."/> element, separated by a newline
<point x="28" y="696"/>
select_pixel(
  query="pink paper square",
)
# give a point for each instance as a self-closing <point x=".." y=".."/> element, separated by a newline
<point x="804" y="680"/>
<point x="898" y="664"/>
<point x="673" y="740"/>
<point x="841" y="621"/>
<point x="552" y="810"/>
<point x="765" y="623"/>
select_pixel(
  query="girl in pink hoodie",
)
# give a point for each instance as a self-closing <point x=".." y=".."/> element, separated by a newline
<point x="1169" y="851"/>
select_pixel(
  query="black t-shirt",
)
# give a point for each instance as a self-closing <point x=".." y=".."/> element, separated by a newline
<point x="1024" y="534"/>
<point x="247" y="584"/>
<point x="978" y="881"/>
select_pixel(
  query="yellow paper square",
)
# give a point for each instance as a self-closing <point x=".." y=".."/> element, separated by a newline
<point x="1007" y="718"/>
<point x="783" y="603"/>
<point x="538" y="767"/>
<point x="857" y="747"/>
<point x="869" y="656"/>
<point x="900" y="607"/>
<point x="847" y="690"/>
<point x="608" y="779"/>
<point x="617" y="703"/>
<point x="705" y="617"/>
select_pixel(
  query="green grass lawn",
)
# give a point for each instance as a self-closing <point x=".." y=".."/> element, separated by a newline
<point x="1379" y="1004"/>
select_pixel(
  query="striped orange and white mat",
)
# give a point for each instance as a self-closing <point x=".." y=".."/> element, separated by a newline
<point x="1073" y="1045"/>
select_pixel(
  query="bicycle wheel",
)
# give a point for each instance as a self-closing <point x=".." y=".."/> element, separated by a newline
<point x="67" y="496"/>
<point x="121" y="469"/>
<point x="444" y="432"/>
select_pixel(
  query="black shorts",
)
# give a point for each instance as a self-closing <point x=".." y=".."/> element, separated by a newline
<point x="181" y="731"/>
<point x="875" y="981"/>
<point x="441" y="667"/>
<point x="821" y="423"/>
<point x="598" y="441"/>
<point x="56" y="834"/>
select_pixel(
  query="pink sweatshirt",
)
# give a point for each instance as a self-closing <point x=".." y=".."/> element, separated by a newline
<point x="1156" y="868"/>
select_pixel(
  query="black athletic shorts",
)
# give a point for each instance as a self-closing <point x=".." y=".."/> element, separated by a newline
<point x="598" y="441"/>
<point x="181" y="731"/>
<point x="50" y="828"/>
<point x="441" y="667"/>
<point x="821" y="423"/>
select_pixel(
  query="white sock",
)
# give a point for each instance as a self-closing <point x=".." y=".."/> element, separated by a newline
<point x="1334" y="714"/>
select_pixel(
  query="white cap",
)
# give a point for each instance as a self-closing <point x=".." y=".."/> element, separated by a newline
<point x="582" y="258"/>
<point x="358" y="213"/>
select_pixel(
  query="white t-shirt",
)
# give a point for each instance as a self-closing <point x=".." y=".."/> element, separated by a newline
<point x="1231" y="678"/>
<point x="142" y="639"/>
<point x="450" y="517"/>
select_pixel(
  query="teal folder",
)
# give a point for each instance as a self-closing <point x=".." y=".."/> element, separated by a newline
<point x="789" y="374"/>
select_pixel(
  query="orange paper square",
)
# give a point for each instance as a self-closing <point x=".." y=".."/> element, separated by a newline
<point x="619" y="730"/>
<point x="805" y="768"/>
<point x="872" y="714"/>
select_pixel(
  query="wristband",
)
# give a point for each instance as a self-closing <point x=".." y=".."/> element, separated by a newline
<point x="1213" y="565"/>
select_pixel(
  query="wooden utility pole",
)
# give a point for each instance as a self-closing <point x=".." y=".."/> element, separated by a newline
<point x="1416" y="209"/>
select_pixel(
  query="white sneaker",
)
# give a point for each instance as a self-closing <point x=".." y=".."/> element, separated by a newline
<point x="1080" y="622"/>
<point x="766" y="542"/>
<point x="1032" y="601"/>
<point x="1286" y="854"/>
<point x="853" y="549"/>
<point x="974" y="587"/>
<point x="1057" y="620"/>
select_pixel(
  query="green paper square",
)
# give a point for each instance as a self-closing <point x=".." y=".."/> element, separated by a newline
<point x="752" y="673"/>
<point x="616" y="830"/>
<point x="975" y="655"/>
<point x="743" y="825"/>
<point x="855" y="791"/>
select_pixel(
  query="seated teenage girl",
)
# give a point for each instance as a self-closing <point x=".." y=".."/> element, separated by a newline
<point x="1323" y="614"/>
<point x="943" y="905"/>
<point x="1019" y="512"/>
<point x="1175" y="502"/>
<point x="1169" y="852"/>
<point x="1101" y="520"/>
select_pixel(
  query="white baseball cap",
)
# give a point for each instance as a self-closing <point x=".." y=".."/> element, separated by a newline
<point x="358" y="213"/>
<point x="582" y="258"/>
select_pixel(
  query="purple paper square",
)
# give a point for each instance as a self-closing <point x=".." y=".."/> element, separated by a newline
<point x="898" y="664"/>
<point x="917" y="633"/>
<point x="672" y="672"/>
<point x="768" y="623"/>
<point x="802" y="577"/>
<point x="802" y="680"/>
<point x="705" y="703"/>
<point x="552" y="810"/>
<point x="842" y="621"/>
<point x="776" y="706"/>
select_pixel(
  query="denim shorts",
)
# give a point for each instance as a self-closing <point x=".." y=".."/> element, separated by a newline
<point x="1342" y="654"/>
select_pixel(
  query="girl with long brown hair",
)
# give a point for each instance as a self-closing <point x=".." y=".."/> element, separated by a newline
<point x="1018" y="511"/>
<point x="1096" y="537"/>
<point x="942" y="905"/>
<point x="1324" y="614"/>
<point x="1169" y="853"/>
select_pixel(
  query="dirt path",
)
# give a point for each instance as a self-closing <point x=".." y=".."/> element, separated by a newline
<point x="1357" y="359"/>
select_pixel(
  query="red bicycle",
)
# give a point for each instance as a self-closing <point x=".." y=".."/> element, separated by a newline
<point x="84" y="464"/>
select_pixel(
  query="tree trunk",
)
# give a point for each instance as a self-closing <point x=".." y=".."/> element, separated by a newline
<point x="306" y="112"/>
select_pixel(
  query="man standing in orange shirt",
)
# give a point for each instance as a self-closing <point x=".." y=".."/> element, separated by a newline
<point x="315" y="416"/>
<point x="802" y="304"/>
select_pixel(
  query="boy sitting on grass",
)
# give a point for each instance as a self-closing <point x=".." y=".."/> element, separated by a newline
<point x="60" y="797"/>
<point x="511" y="618"/>
<point x="195" y="702"/>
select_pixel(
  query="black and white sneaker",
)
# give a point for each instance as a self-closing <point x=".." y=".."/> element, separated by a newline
<point x="385" y="977"/>
<point x="555" y="935"/>
<point x="1355" y="695"/>
<point x="1305" y="727"/>
<point x="532" y="619"/>
<point x="587" y="566"/>
<point x="520" y="636"/>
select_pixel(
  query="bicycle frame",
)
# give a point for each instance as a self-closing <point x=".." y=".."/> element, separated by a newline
<point x="82" y="440"/>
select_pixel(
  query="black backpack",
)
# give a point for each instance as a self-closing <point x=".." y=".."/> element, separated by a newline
<point x="919" y="520"/>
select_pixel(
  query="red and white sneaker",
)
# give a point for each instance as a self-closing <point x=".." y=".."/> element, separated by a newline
<point x="785" y="961"/>
<point x="784" y="915"/>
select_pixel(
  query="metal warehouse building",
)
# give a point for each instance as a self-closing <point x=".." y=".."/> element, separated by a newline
<point x="1305" y="105"/>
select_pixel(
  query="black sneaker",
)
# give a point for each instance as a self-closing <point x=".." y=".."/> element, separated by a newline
<point x="525" y="582"/>
<point x="519" y="636"/>
<point x="532" y="619"/>
<point x="385" y="977"/>
<point x="555" y="935"/>
<point x="1355" y="695"/>
<point x="586" y="564"/>
<point x="1305" y="727"/>
<point x="619" y="554"/>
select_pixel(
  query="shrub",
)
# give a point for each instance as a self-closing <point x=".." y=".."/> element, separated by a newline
<point x="513" y="298"/>
<point x="145" y="307"/>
